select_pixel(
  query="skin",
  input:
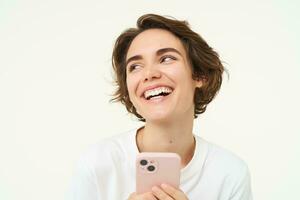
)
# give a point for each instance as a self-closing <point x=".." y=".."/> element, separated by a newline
<point x="157" y="57"/>
<point x="164" y="192"/>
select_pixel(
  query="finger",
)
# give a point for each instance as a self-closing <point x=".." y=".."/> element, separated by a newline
<point x="173" y="192"/>
<point x="148" y="196"/>
<point x="160" y="194"/>
<point x="145" y="196"/>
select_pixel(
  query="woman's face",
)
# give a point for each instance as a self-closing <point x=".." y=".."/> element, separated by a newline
<point x="159" y="77"/>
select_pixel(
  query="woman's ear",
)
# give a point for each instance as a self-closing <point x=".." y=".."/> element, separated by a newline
<point x="200" y="81"/>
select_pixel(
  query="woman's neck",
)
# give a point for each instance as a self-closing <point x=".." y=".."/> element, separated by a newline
<point x="175" y="137"/>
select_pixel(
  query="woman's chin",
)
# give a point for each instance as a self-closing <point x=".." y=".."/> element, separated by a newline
<point x="157" y="118"/>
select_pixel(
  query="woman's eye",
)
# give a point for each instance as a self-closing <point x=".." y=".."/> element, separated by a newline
<point x="167" y="59"/>
<point x="133" y="67"/>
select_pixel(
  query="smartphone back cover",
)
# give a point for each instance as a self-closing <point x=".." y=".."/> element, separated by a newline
<point x="155" y="169"/>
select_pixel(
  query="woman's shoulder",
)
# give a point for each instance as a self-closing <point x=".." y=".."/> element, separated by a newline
<point x="223" y="159"/>
<point x="107" y="150"/>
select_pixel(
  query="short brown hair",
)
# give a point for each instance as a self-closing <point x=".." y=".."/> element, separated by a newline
<point x="205" y="62"/>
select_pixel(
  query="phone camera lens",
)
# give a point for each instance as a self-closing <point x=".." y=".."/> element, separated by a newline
<point x="151" y="168"/>
<point x="143" y="162"/>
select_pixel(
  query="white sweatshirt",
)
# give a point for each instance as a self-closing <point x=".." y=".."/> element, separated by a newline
<point x="106" y="171"/>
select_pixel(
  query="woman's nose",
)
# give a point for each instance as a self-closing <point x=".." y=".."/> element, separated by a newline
<point x="151" y="73"/>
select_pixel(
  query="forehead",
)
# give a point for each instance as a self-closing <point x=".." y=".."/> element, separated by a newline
<point x="151" y="40"/>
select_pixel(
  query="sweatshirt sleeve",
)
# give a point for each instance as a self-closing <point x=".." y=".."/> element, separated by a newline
<point x="83" y="183"/>
<point x="242" y="189"/>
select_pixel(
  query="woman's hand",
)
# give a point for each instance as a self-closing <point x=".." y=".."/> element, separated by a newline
<point x="164" y="192"/>
<point x="145" y="196"/>
<point x="167" y="192"/>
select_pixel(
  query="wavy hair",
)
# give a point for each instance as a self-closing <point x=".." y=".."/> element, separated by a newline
<point x="204" y="60"/>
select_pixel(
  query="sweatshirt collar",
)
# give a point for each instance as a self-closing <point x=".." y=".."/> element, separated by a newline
<point x="194" y="166"/>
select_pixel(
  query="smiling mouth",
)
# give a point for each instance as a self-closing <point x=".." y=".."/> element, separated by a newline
<point x="157" y="92"/>
<point x="162" y="94"/>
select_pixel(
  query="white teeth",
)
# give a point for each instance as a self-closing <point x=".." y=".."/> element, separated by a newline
<point x="157" y="91"/>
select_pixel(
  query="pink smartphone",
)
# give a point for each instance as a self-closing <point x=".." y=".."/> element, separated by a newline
<point x="153" y="168"/>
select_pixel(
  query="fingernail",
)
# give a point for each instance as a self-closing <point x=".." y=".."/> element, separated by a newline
<point x="164" y="185"/>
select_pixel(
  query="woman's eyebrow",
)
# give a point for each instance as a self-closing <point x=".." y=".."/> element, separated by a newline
<point x="137" y="57"/>
<point x="158" y="52"/>
<point x="169" y="49"/>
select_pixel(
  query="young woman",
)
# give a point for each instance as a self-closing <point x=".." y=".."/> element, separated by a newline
<point x="166" y="75"/>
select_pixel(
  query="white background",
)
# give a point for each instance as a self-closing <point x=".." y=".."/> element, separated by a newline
<point x="56" y="82"/>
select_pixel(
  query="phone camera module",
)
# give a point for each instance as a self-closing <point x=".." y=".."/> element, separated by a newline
<point x="143" y="162"/>
<point x="151" y="168"/>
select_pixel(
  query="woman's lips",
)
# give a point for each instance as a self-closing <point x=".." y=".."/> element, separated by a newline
<point x="154" y="87"/>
